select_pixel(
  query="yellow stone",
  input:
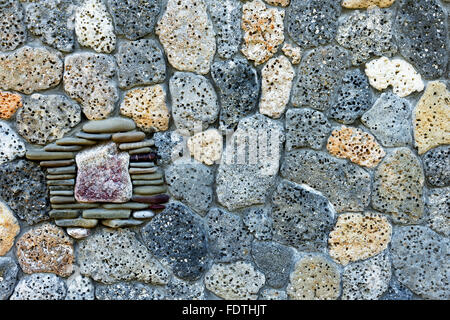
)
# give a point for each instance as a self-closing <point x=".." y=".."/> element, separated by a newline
<point x="206" y="146"/>
<point x="9" y="229"/>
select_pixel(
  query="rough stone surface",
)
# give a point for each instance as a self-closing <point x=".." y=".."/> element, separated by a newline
<point x="176" y="237"/>
<point x="277" y="76"/>
<point x="272" y="294"/>
<point x="438" y="206"/>
<point x="263" y="31"/>
<point x="94" y="26"/>
<point x="188" y="36"/>
<point x="366" y="280"/>
<point x="258" y="221"/>
<point x="206" y="146"/>
<point x="170" y="146"/>
<point x="356" y="145"/>
<point x="122" y="258"/>
<point x="238" y="88"/>
<point x="314" y="278"/>
<point x="306" y="128"/>
<point x="227" y="238"/>
<point x="397" y="73"/>
<point x="420" y="260"/>
<point x="191" y="182"/>
<point x="147" y="107"/>
<point x="134" y="18"/>
<point x="436" y="163"/>
<point x="88" y="80"/>
<point x="292" y="52"/>
<point x="23" y="188"/>
<point x="11" y="145"/>
<point x="428" y="53"/>
<point x="397" y="186"/>
<point x="40" y="286"/>
<point x="302" y="217"/>
<point x="30" y="69"/>
<point x="194" y="101"/>
<point x="9" y="229"/>
<point x="346" y="185"/>
<point x="359" y="236"/>
<point x="12" y="28"/>
<point x="9" y="103"/>
<point x="397" y="291"/>
<point x="181" y="290"/>
<point x="363" y="4"/>
<point x="234" y="281"/>
<point x="46" y="118"/>
<point x="79" y="287"/>
<point x="127" y="291"/>
<point x="389" y="119"/>
<point x="8" y="276"/>
<point x="432" y="117"/>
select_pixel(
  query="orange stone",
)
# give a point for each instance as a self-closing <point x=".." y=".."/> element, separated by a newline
<point x="9" y="103"/>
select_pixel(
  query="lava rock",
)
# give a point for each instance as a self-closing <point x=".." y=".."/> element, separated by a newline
<point x="182" y="290"/>
<point x="13" y="32"/>
<point x="259" y="222"/>
<point x="9" y="103"/>
<point x="40" y="286"/>
<point x="438" y="205"/>
<point x="127" y="291"/>
<point x="170" y="145"/>
<point x="11" y="145"/>
<point x="9" y="270"/>
<point x="79" y="287"/>
<point x="436" y="163"/>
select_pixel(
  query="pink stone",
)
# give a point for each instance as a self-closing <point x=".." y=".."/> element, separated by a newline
<point x="103" y="175"/>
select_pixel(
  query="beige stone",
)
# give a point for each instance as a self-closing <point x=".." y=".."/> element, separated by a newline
<point x="9" y="103"/>
<point x="206" y="146"/>
<point x="9" y="229"/>
<point x="432" y="117"/>
<point x="281" y="3"/>
<point x="363" y="4"/>
<point x="292" y="52"/>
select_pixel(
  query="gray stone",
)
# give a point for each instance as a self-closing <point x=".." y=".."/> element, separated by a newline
<point x="176" y="237"/>
<point x="228" y="240"/>
<point x="12" y="29"/>
<point x="11" y="145"/>
<point x="302" y="217"/>
<point x="420" y="260"/>
<point x="438" y="206"/>
<point x="259" y="222"/>
<point x="312" y="23"/>
<point x="110" y="125"/>
<point x="274" y="260"/>
<point x="40" y="286"/>
<point x="421" y="34"/>
<point x="182" y="290"/>
<point x="436" y="164"/>
<point x="191" y="182"/>
<point x="397" y="291"/>
<point x="79" y="287"/>
<point x="170" y="145"/>
<point x="140" y="62"/>
<point x="128" y="291"/>
<point x="306" y="128"/>
<point x="272" y="294"/>
<point x="134" y="18"/>
<point x="346" y="185"/>
<point x="8" y="276"/>
<point x="239" y="87"/>
<point x="389" y="120"/>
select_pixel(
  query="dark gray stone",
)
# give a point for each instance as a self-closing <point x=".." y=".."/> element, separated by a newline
<point x="259" y="222"/>
<point x="127" y="291"/>
<point x="436" y="163"/>
<point x="8" y="276"/>
<point x="12" y="28"/>
<point x="438" y="206"/>
<point x="170" y="146"/>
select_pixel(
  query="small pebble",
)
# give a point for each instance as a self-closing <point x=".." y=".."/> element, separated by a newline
<point x="106" y="214"/>
<point x="150" y="190"/>
<point x="133" y="136"/>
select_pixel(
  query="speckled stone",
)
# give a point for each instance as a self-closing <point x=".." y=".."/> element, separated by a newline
<point x="88" y="80"/>
<point x="40" y="286"/>
<point x="363" y="4"/>
<point x="436" y="164"/>
<point x="187" y="35"/>
<point x="206" y="146"/>
<point x="293" y="52"/>
<point x="397" y="291"/>
<point x="8" y="271"/>
<point x="438" y="206"/>
<point x="9" y="103"/>
<point x="258" y="221"/>
<point x="127" y="291"/>
<point x="177" y="238"/>
<point x="46" y="118"/>
<point x="11" y="145"/>
<point x="178" y="289"/>
<point x="234" y="281"/>
<point x="9" y="228"/>
<point x="79" y="287"/>
<point x="272" y="294"/>
<point x="13" y="32"/>
<point x="170" y="145"/>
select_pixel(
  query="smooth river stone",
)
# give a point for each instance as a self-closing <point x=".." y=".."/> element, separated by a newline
<point x="150" y="190"/>
<point x="57" y="163"/>
<point x="136" y="145"/>
<point x="139" y="151"/>
<point x="103" y="175"/>
<point x="61" y="148"/>
<point x="62" y="170"/>
<point x="78" y="222"/>
<point x="133" y="136"/>
<point x="106" y="214"/>
<point x="93" y="136"/>
<point x="74" y="141"/>
<point x="152" y="176"/>
<point x="128" y="205"/>
<point x="110" y="125"/>
<point x="60" y="176"/>
<point x="142" y="170"/>
<point x="64" y="214"/>
<point x="42" y="155"/>
<point x="156" y="199"/>
<point x="118" y="223"/>
<point x="148" y="182"/>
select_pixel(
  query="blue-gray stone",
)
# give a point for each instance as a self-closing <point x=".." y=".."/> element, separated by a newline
<point x="436" y="163"/>
<point x="258" y="221"/>
<point x="178" y="289"/>
<point x="12" y="28"/>
<point x="438" y="207"/>
<point x="128" y="291"/>
<point x="170" y="145"/>
<point x="397" y="291"/>
<point x="8" y="276"/>
<point x="40" y="286"/>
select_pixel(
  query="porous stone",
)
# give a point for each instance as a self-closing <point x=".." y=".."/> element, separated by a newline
<point x="46" y="249"/>
<point x="147" y="107"/>
<point x="191" y="182"/>
<point x="346" y="185"/>
<point x="40" y="286"/>
<point x="247" y="171"/>
<point x="122" y="258"/>
<point x="194" y="101"/>
<point x="53" y="21"/>
<point x="187" y="35"/>
<point x="281" y="3"/>
<point x="436" y="164"/>
<point x="438" y="206"/>
<point x="140" y="62"/>
<point x="366" y="280"/>
<point x="421" y="34"/>
<point x="9" y="103"/>
<point x="319" y="76"/>
<point x="227" y="238"/>
<point x="46" y="118"/>
<point x="234" y="281"/>
<point x="8" y="271"/>
<point x="368" y="33"/>
<point x="182" y="290"/>
<point x="306" y="128"/>
<point x="397" y="186"/>
<point x="272" y="294"/>
<point x="79" y="287"/>
<point x="88" y="80"/>
<point x="226" y="17"/>
<point x="397" y="73"/>
<point x="356" y="145"/>
<point x="358" y="236"/>
<point x="314" y="278"/>
<point x="352" y="99"/>
<point x="134" y="18"/>
<point x="176" y="237"/>
<point x="292" y="52"/>
<point x="12" y="28"/>
<point x="302" y="216"/>
<point x="103" y="175"/>
<point x="206" y="146"/>
<point x="11" y="145"/>
<point x="432" y="117"/>
<point x="263" y="31"/>
<point x="94" y="26"/>
<point x="277" y="76"/>
<point x="363" y="4"/>
<point x="312" y="23"/>
<point x="389" y="119"/>
<point x="397" y="291"/>
<point x="30" y="69"/>
<point x="9" y="229"/>
<point x="23" y="188"/>
<point x="274" y="260"/>
<point x="420" y="260"/>
<point x="170" y="145"/>
<point x="128" y="291"/>
<point x="238" y="86"/>
<point x="259" y="222"/>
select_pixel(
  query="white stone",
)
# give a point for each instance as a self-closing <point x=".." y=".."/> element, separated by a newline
<point x="11" y="145"/>
<point x="292" y="52"/>
<point x="206" y="146"/>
